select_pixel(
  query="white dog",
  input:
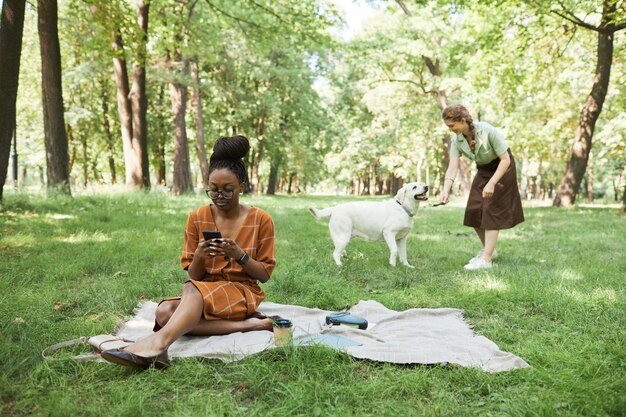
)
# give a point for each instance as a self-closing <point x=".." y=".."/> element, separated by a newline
<point x="390" y="220"/>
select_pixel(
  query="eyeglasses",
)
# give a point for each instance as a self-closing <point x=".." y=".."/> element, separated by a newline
<point x="213" y="194"/>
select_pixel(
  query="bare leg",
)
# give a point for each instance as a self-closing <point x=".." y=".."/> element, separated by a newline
<point x="481" y="235"/>
<point x="187" y="318"/>
<point x="204" y="327"/>
<point x="491" y="238"/>
<point x="216" y="327"/>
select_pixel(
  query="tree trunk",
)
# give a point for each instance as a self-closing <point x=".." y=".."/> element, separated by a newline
<point x="525" y="181"/>
<point x="70" y="139"/>
<point x="590" y="178"/>
<point x="273" y="177"/>
<point x="296" y="184"/>
<point x="289" y="187"/>
<point x="158" y="143"/>
<point x="570" y="184"/>
<point x="254" y="170"/>
<point x="11" y="28"/>
<point x="138" y="98"/>
<point x="97" y="176"/>
<point x="181" y="182"/>
<point x="537" y="190"/>
<point x="199" y="121"/>
<point x="624" y="195"/>
<point x="107" y="130"/>
<point x="160" y="155"/>
<point x="445" y="149"/>
<point x="464" y="177"/>
<point x="396" y="184"/>
<point x="132" y="163"/>
<point x="366" y="183"/>
<point x="55" y="137"/>
<point x="83" y="142"/>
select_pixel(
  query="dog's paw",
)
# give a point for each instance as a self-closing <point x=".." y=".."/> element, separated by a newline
<point x="408" y="265"/>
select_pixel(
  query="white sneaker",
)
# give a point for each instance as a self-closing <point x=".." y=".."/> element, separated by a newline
<point x="480" y="263"/>
<point x="479" y="255"/>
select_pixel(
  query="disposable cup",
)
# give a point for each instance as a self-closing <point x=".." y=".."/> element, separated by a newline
<point x="283" y="332"/>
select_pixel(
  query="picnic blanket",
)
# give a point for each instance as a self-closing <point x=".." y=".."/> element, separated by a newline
<point x="418" y="335"/>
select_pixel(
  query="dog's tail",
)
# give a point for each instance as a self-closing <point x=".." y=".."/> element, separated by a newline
<point x="318" y="214"/>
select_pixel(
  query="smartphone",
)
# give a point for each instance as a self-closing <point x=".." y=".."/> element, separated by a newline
<point x="211" y="234"/>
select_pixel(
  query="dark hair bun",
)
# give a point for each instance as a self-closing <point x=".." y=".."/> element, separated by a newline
<point x="230" y="148"/>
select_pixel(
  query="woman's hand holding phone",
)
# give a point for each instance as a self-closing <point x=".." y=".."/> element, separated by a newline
<point x="226" y="247"/>
<point x="214" y="244"/>
<point x="205" y="247"/>
<point x="203" y="250"/>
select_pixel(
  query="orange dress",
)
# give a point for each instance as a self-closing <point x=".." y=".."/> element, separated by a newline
<point x="228" y="291"/>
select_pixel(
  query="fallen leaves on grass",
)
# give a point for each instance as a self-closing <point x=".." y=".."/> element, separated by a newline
<point x="239" y="388"/>
<point x="59" y="306"/>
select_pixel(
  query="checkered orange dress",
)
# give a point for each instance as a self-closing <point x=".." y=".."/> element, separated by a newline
<point x="228" y="291"/>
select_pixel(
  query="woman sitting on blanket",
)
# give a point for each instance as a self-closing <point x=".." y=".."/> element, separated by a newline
<point x="222" y="294"/>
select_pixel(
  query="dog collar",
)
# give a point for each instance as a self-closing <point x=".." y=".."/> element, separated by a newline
<point x="405" y="209"/>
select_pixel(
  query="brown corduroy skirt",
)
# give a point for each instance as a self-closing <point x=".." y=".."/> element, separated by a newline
<point x="503" y="210"/>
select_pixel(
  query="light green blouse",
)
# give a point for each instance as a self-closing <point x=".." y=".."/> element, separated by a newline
<point x="489" y="145"/>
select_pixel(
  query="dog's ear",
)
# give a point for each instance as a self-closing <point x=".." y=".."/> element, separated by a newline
<point x="401" y="194"/>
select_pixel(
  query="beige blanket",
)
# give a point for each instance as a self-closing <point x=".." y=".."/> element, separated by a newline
<point x="419" y="335"/>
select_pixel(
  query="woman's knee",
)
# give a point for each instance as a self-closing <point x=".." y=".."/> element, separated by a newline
<point x="190" y="289"/>
<point x="164" y="311"/>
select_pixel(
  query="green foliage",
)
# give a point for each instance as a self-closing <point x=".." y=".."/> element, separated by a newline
<point x="76" y="267"/>
<point x="516" y="65"/>
<point x="317" y="106"/>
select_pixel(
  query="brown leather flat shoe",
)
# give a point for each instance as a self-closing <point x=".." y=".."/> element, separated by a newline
<point x="125" y="358"/>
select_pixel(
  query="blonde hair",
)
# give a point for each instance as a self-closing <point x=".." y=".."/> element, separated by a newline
<point x="458" y="112"/>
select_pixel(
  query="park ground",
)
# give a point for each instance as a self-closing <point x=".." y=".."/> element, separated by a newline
<point x="72" y="267"/>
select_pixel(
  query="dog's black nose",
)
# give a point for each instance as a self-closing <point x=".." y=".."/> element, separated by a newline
<point x="426" y="188"/>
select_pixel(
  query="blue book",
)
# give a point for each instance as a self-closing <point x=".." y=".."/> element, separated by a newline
<point x="327" y="339"/>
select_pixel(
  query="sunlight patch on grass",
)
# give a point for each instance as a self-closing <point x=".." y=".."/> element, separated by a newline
<point x="488" y="283"/>
<point x="84" y="237"/>
<point x="511" y="235"/>
<point x="570" y="275"/>
<point x="173" y="211"/>
<point x="19" y="240"/>
<point x="285" y="241"/>
<point x="59" y="216"/>
<point x="431" y="238"/>
<point x="93" y="318"/>
<point x="599" y="295"/>
<point x="602" y="206"/>
<point x="17" y="214"/>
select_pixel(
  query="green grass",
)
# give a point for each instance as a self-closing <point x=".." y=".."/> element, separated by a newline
<point x="556" y="299"/>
